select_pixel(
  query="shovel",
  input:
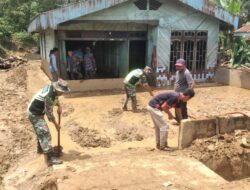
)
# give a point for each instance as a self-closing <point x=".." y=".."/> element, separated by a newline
<point x="59" y="148"/>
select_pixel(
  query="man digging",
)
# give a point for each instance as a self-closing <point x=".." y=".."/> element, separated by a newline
<point x="164" y="102"/>
<point x="42" y="103"/>
<point x="134" y="78"/>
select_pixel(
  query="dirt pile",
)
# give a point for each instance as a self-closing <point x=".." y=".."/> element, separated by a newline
<point x="86" y="137"/>
<point x="129" y="134"/>
<point x="224" y="154"/>
<point x="12" y="62"/>
<point x="16" y="133"/>
<point x="67" y="110"/>
<point x="47" y="184"/>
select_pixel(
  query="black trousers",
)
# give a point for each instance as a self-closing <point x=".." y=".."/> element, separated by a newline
<point x="184" y="111"/>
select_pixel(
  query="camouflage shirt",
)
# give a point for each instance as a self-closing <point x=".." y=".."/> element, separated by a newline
<point x="43" y="102"/>
<point x="135" y="77"/>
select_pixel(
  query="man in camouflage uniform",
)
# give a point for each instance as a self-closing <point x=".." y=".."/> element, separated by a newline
<point x="136" y="77"/>
<point x="41" y="104"/>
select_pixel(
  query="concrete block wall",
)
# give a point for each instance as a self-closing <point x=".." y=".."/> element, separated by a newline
<point x="203" y="128"/>
<point x="233" y="77"/>
<point x="95" y="84"/>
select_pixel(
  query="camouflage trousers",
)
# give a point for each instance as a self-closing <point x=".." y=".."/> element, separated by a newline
<point x="42" y="131"/>
<point x="130" y="93"/>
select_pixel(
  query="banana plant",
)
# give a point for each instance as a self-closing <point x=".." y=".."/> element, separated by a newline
<point x="233" y="6"/>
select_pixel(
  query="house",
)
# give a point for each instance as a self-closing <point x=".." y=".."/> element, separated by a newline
<point x="127" y="34"/>
<point x="244" y="31"/>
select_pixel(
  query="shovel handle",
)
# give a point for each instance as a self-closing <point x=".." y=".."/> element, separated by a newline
<point x="58" y="136"/>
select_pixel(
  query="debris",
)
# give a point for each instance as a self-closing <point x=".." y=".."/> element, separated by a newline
<point x="167" y="184"/>
<point x="244" y="143"/>
<point x="11" y="62"/>
<point x="86" y="137"/>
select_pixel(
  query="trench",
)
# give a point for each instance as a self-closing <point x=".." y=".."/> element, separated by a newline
<point x="231" y="168"/>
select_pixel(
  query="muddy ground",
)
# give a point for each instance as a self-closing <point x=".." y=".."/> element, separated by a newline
<point x="106" y="148"/>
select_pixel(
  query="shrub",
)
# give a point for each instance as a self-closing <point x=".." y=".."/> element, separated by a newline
<point x="25" y="38"/>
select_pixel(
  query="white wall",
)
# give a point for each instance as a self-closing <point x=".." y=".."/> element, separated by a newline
<point x="50" y="42"/>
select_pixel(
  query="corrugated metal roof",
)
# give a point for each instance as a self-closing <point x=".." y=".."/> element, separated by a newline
<point x="243" y="31"/>
<point x="53" y="18"/>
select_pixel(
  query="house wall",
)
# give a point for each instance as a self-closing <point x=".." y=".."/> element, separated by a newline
<point x="159" y="24"/>
<point x="50" y="42"/>
<point x="171" y="16"/>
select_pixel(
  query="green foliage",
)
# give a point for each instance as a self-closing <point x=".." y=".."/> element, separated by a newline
<point x="240" y="53"/>
<point x="236" y="7"/>
<point x="15" y="16"/>
<point x="5" y="30"/>
<point x="2" y="51"/>
<point x="25" y="38"/>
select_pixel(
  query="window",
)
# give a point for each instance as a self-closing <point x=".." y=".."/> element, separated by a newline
<point x="154" y="5"/>
<point x="190" y="45"/>
<point x="143" y="4"/>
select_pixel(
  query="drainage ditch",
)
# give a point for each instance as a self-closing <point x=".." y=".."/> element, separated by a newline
<point x="225" y="155"/>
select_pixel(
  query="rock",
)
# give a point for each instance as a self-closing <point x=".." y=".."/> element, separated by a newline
<point x="211" y="147"/>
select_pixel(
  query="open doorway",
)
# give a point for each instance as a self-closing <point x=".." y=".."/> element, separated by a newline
<point x="137" y="54"/>
<point x="111" y="57"/>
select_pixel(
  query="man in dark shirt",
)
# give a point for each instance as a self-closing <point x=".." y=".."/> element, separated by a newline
<point x="183" y="81"/>
<point x="41" y="104"/>
<point x="164" y="102"/>
<point x="70" y="65"/>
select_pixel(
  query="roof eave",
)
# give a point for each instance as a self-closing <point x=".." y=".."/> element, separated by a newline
<point x="53" y="18"/>
<point x="242" y="34"/>
<point x="212" y="10"/>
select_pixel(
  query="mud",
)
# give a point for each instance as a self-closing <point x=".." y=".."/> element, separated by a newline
<point x="47" y="184"/>
<point x="224" y="155"/>
<point x="128" y="134"/>
<point x="16" y="134"/>
<point x="95" y="119"/>
<point x="67" y="110"/>
<point x="11" y="62"/>
<point x="214" y="101"/>
<point x="86" y="137"/>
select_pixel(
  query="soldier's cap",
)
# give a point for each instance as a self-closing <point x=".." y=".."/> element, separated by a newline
<point x="149" y="69"/>
<point x="61" y="85"/>
<point x="180" y="62"/>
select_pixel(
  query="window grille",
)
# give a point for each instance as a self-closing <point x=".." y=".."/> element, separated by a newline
<point x="190" y="45"/>
<point x="141" y="4"/>
<point x="154" y="5"/>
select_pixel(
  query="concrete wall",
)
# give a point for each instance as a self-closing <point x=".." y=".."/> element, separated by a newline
<point x="95" y="84"/>
<point x="233" y="77"/>
<point x="203" y="128"/>
<point x="101" y="26"/>
<point x="45" y="68"/>
<point x="87" y="85"/>
<point x="50" y="42"/>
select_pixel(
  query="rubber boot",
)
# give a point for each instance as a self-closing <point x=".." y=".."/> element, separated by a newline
<point x="39" y="148"/>
<point x="52" y="160"/>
